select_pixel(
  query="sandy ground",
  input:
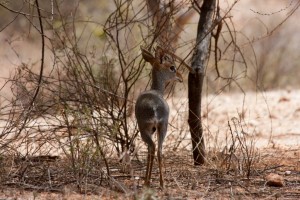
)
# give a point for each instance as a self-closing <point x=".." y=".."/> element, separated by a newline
<point x="272" y="117"/>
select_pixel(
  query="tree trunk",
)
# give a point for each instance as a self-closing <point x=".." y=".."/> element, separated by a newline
<point x="195" y="81"/>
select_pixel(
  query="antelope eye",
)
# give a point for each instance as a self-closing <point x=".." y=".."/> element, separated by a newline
<point x="173" y="69"/>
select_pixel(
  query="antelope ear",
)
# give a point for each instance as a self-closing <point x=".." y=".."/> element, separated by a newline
<point x="148" y="57"/>
<point x="159" y="52"/>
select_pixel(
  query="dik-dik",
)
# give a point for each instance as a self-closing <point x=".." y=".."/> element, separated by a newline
<point x="151" y="109"/>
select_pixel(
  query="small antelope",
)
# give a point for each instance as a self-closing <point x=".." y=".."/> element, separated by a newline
<point x="151" y="110"/>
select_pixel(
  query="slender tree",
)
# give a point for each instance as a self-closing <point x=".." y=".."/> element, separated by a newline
<point x="195" y="81"/>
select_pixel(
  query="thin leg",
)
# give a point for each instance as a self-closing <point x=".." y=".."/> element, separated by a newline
<point x="147" y="182"/>
<point x="161" y="179"/>
<point x="150" y="158"/>
<point x="162" y="130"/>
<point x="146" y="131"/>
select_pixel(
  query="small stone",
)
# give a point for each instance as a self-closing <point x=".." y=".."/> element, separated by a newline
<point x="287" y="172"/>
<point x="283" y="99"/>
<point x="274" y="180"/>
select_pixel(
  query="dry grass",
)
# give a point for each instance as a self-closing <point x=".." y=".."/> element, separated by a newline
<point x="183" y="180"/>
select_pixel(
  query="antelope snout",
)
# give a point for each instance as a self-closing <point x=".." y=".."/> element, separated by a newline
<point x="179" y="77"/>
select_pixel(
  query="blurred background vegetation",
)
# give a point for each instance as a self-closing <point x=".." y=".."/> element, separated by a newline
<point x="270" y="49"/>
